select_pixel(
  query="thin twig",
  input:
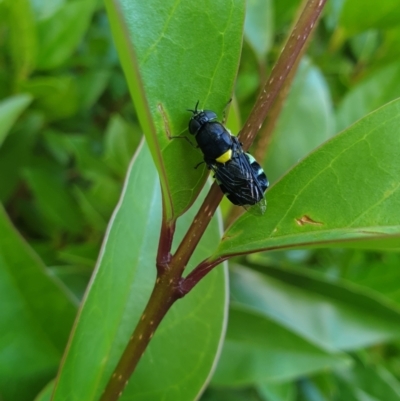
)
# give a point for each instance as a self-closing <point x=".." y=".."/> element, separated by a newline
<point x="197" y="228"/>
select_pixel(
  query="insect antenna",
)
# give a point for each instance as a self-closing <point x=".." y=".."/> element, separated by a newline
<point x="195" y="111"/>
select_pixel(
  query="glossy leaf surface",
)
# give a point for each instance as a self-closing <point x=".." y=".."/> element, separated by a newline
<point x="348" y="189"/>
<point x="186" y="343"/>
<point x="170" y="65"/>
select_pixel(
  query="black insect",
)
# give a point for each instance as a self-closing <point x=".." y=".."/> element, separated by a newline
<point x="238" y="174"/>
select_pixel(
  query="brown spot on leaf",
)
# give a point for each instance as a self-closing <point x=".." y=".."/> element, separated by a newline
<point x="307" y="220"/>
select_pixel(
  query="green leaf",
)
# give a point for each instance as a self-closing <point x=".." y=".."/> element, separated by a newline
<point x="185" y="345"/>
<point x="277" y="391"/>
<point x="10" y="109"/>
<point x="56" y="96"/>
<point x="227" y="394"/>
<point x="90" y="165"/>
<point x="54" y="202"/>
<point x="257" y="349"/>
<point x="348" y="189"/>
<point x="45" y="394"/>
<point x="36" y="316"/>
<point x="303" y="124"/>
<point x="91" y="85"/>
<point x="44" y="9"/>
<point x="120" y="142"/>
<point x="284" y="11"/>
<point x="98" y="202"/>
<point x="331" y="315"/>
<point x="382" y="276"/>
<point x="359" y="15"/>
<point x="258" y="27"/>
<point x="390" y="44"/>
<point x="369" y="383"/>
<point x="23" y="38"/>
<point x="16" y="152"/>
<point x="76" y="278"/>
<point x="311" y="389"/>
<point x="60" y="33"/>
<point x="373" y="91"/>
<point x="82" y="254"/>
<point x="57" y="144"/>
<point x="365" y="45"/>
<point x="183" y="53"/>
<point x="248" y="80"/>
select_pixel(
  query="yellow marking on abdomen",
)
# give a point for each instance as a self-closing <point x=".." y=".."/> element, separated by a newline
<point x="225" y="157"/>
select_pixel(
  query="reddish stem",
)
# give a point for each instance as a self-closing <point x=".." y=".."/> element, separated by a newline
<point x="197" y="274"/>
<point x="165" y="244"/>
<point x="197" y="228"/>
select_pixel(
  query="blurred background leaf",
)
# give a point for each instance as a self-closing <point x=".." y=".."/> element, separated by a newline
<point x="36" y="316"/>
<point x="303" y="124"/>
<point x="10" y="109"/>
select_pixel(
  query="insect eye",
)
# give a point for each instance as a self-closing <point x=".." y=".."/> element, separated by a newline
<point x="194" y="126"/>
